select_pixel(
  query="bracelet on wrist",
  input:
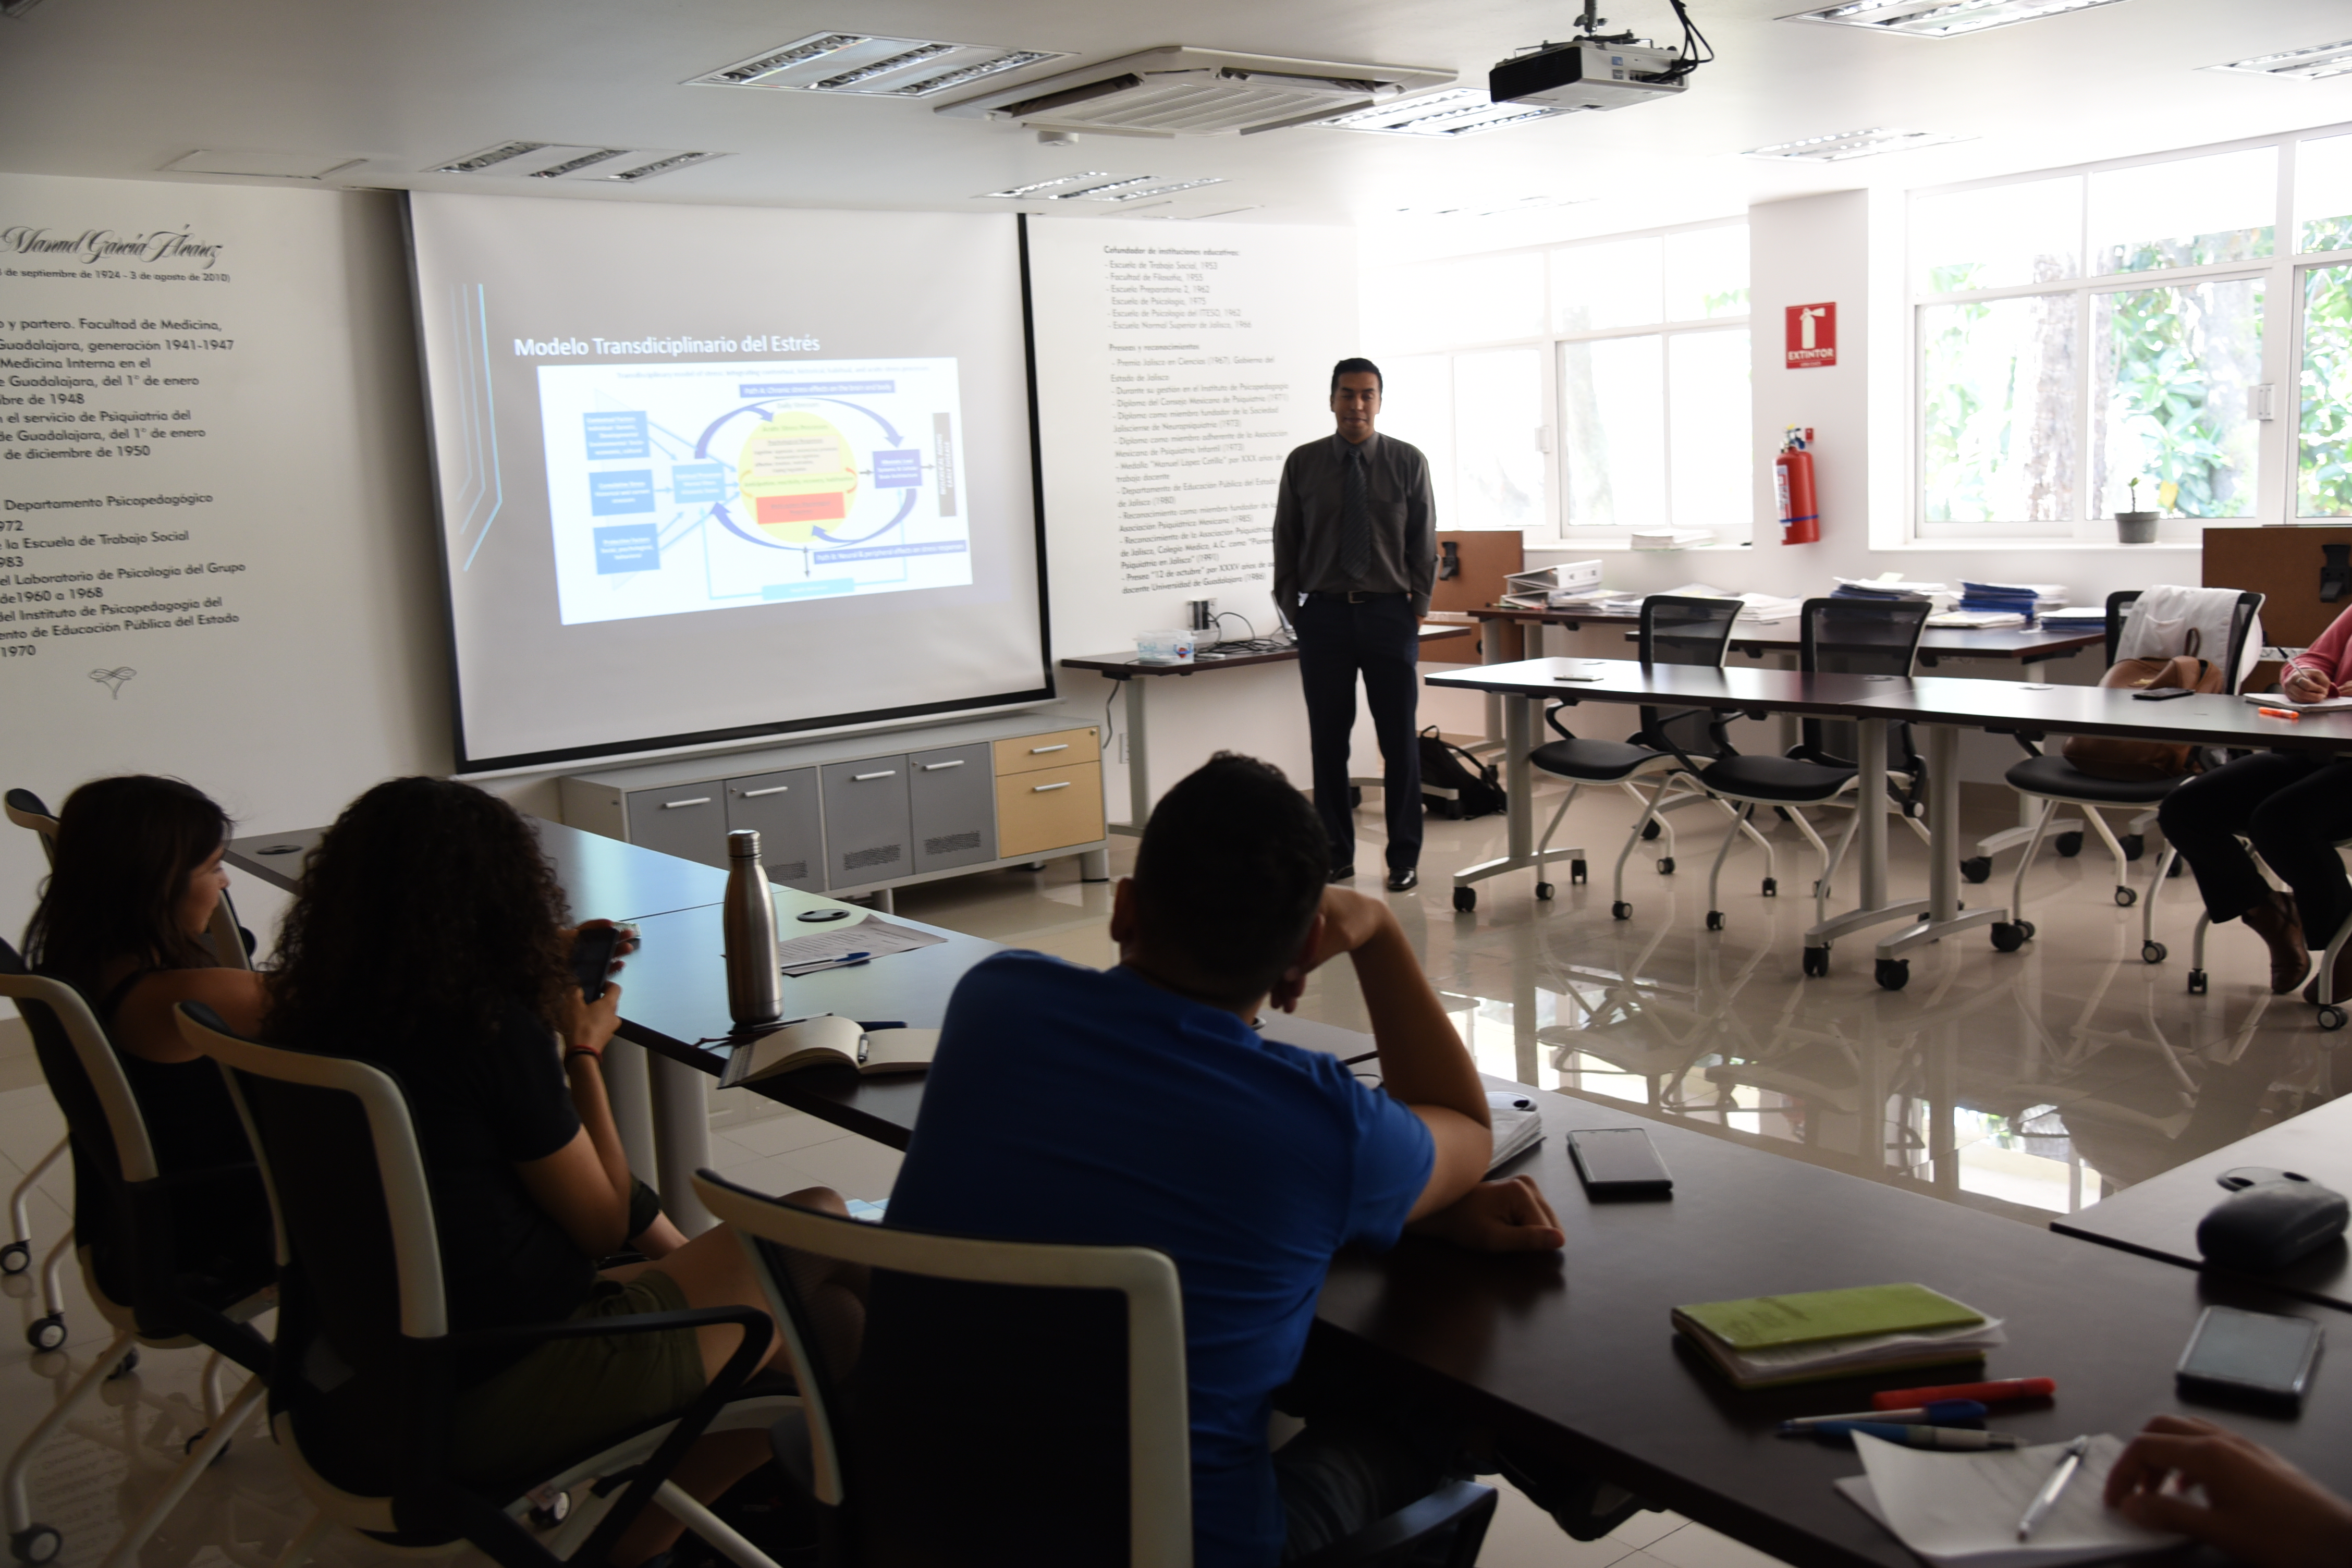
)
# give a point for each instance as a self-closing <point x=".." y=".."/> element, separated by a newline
<point x="576" y="1051"/>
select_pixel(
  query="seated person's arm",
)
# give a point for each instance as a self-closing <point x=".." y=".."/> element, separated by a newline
<point x="2258" y="1509"/>
<point x="584" y="1186"/>
<point x="144" y="1026"/>
<point x="2312" y="675"/>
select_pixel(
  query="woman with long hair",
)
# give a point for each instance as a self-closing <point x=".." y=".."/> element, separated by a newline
<point x="430" y="937"/>
<point x="122" y="919"/>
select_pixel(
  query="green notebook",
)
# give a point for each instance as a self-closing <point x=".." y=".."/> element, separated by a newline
<point x="1761" y="1322"/>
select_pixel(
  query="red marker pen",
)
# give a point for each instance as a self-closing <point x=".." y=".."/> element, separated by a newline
<point x="2005" y="1389"/>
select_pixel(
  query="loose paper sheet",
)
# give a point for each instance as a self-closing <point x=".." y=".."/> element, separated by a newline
<point x="1964" y="1508"/>
<point x="874" y="938"/>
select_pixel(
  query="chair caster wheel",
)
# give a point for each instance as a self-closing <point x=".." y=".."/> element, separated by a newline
<point x="1355" y="797"/>
<point x="2197" y="983"/>
<point x="2135" y="845"/>
<point x="1771" y="887"/>
<point x="1783" y="813"/>
<point x="1665" y="865"/>
<point x="127" y="1365"/>
<point x="1817" y="962"/>
<point x="2178" y="866"/>
<point x="1544" y="891"/>
<point x="1620" y="911"/>
<point x="2027" y="927"/>
<point x="16" y="1258"/>
<point x="36" y="1543"/>
<point x="2127" y="897"/>
<point x="1575" y="873"/>
<point x="2068" y="844"/>
<point x="1465" y="899"/>
<point x="557" y="1509"/>
<point x="2331" y="1017"/>
<point x="1894" y="973"/>
<point x="1715" y="920"/>
<point x="2006" y="937"/>
<point x="46" y="1333"/>
<point x="1977" y="868"/>
<point x="195" y="1440"/>
<point x="1650" y="830"/>
<point x="2151" y="953"/>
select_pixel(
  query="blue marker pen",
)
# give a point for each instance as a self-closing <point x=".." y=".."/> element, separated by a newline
<point x="1922" y="1437"/>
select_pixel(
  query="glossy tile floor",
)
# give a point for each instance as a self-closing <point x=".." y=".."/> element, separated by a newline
<point x="2024" y="1084"/>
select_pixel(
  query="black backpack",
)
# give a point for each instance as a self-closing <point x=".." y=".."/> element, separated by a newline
<point x="1447" y="766"/>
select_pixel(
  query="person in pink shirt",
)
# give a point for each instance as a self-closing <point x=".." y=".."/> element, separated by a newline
<point x="2295" y="806"/>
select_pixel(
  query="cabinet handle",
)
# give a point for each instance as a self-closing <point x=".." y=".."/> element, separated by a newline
<point x="1041" y="751"/>
<point x="884" y="773"/>
<point x="674" y="805"/>
<point x="771" y="789"/>
<point x="1041" y="789"/>
<point x="935" y="767"/>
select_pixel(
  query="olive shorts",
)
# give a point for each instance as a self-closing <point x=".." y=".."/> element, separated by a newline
<point x="568" y="1397"/>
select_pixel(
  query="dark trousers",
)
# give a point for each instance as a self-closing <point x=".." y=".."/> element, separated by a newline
<point x="2295" y="806"/>
<point x="1379" y="639"/>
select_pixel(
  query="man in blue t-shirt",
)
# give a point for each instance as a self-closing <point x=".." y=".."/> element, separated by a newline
<point x="1137" y="1105"/>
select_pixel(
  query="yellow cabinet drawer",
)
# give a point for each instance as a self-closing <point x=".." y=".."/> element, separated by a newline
<point x="1048" y="808"/>
<point x="1061" y="749"/>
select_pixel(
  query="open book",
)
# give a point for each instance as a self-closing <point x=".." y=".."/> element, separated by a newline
<point x="827" y="1040"/>
<point x="2279" y="699"/>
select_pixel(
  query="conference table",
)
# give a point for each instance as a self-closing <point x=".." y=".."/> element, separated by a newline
<point x="2015" y="645"/>
<point x="1938" y="707"/>
<point x="1135" y="678"/>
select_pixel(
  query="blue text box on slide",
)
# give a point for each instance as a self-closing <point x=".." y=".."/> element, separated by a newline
<point x="816" y="588"/>
<point x="814" y="388"/>
<point x="886" y="551"/>
<point x="628" y="547"/>
<point x="697" y="482"/>
<point x="616" y="494"/>
<point x="900" y="470"/>
<point x="616" y="434"/>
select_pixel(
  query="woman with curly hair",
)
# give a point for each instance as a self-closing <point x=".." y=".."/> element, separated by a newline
<point x="482" y="1022"/>
<point x="122" y="920"/>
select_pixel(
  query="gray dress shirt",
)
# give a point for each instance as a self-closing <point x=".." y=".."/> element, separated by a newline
<point x="1306" y="524"/>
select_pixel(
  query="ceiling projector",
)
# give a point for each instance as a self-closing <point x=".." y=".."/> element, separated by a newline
<point x="1588" y="73"/>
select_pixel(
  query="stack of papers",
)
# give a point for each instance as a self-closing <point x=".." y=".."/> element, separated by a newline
<point x="1771" y="608"/>
<point x="2025" y="599"/>
<point x="1977" y="620"/>
<point x="1670" y="538"/>
<point x="2076" y="614"/>
<point x="1529" y="590"/>
<point x="840" y="946"/>
<point x="1891" y="586"/>
<point x="1964" y="1508"/>
<point x="1600" y="601"/>
<point x="1767" y="1341"/>
<point x="1518" y="1126"/>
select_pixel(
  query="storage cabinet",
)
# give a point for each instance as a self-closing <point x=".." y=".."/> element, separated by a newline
<point x="1046" y="806"/>
<point x="690" y="822"/>
<point x="953" y="808"/>
<point x="865" y="821"/>
<point x="782" y="807"/>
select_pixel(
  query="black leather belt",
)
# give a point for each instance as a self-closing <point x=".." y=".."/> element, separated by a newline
<point x="1354" y="597"/>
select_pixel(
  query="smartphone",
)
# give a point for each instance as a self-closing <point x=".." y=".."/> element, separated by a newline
<point x="2244" y="1355"/>
<point x="592" y="956"/>
<point x="2162" y="693"/>
<point x="1617" y="1161"/>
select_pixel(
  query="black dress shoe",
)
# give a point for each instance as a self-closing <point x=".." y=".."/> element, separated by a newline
<point x="1340" y="873"/>
<point x="1403" y="879"/>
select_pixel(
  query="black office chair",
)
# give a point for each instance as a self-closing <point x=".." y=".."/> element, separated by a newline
<point x="1012" y="1402"/>
<point x="126" y="1239"/>
<point x="361" y="1406"/>
<point x="1854" y="637"/>
<point x="27" y="810"/>
<point x="1675" y="630"/>
<point x="2053" y="781"/>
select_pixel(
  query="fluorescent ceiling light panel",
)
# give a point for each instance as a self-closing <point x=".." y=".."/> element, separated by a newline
<point x="1100" y="192"/>
<point x="1018" y="192"/>
<point x="2311" y="64"/>
<point x="1155" y="191"/>
<point x="262" y="166"/>
<point x="474" y="163"/>
<point x="871" y="67"/>
<point x="572" y="161"/>
<point x="1843" y="144"/>
<point x="1458" y="111"/>
<point x="1941" y="18"/>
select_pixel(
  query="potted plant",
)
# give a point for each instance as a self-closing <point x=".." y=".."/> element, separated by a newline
<point x="2137" y="527"/>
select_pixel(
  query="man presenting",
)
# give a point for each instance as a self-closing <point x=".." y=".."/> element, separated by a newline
<point x="1355" y="552"/>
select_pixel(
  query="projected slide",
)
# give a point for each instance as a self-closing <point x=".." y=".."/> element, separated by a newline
<point x="677" y="488"/>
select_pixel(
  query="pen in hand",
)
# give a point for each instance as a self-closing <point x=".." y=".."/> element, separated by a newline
<point x="2047" y="1498"/>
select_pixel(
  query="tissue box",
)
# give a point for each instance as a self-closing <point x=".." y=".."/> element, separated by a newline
<point x="1163" y="648"/>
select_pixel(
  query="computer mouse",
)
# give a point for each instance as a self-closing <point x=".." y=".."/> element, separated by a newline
<point x="2270" y="1219"/>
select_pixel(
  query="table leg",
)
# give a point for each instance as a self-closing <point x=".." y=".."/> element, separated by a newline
<point x="1139" y="763"/>
<point x="1519" y="783"/>
<point x="1945" y="916"/>
<point x="681" y="1107"/>
<point x="1490" y="651"/>
<point x="1870" y="834"/>
<point x="628" y="1087"/>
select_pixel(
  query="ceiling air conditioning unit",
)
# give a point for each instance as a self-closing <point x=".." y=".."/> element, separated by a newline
<point x="1184" y="91"/>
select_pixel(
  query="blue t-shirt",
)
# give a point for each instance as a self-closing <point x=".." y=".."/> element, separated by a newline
<point x="1073" y="1105"/>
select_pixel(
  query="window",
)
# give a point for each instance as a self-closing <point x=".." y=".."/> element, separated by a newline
<point x="1579" y="391"/>
<point x="2075" y="332"/>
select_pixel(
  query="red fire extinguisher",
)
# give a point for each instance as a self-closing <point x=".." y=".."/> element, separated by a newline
<point x="1792" y="478"/>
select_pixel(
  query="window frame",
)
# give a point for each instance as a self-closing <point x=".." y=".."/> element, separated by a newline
<point x="2278" y="438"/>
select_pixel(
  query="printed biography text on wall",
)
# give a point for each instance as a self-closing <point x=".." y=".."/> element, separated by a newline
<point x="115" y="349"/>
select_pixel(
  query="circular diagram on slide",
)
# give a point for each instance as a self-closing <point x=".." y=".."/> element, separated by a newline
<point x="797" y="472"/>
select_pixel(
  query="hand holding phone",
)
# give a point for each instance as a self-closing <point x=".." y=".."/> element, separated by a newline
<point x="592" y="957"/>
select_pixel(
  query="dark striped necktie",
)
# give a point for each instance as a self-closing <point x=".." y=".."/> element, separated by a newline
<point x="1355" y="519"/>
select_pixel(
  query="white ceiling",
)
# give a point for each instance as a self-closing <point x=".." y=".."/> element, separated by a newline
<point x="121" y="88"/>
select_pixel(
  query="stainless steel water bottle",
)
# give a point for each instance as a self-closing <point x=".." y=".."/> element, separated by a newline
<point x="755" y="991"/>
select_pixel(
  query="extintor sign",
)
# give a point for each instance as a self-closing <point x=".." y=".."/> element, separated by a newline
<point x="1813" y="335"/>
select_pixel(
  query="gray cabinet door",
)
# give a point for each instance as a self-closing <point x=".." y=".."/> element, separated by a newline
<point x="953" y="795"/>
<point x="866" y="822"/>
<point x="782" y="808"/>
<point x="688" y="820"/>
